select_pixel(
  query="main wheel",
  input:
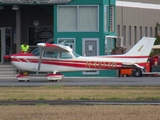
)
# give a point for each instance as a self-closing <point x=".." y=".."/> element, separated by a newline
<point x="137" y="73"/>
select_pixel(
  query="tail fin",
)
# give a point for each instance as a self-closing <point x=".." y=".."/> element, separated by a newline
<point x="142" y="48"/>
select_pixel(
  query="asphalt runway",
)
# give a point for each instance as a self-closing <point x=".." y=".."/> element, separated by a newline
<point x="121" y="81"/>
<point x="77" y="102"/>
<point x="126" y="81"/>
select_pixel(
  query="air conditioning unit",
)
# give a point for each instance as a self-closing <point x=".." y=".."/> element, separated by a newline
<point x="119" y="42"/>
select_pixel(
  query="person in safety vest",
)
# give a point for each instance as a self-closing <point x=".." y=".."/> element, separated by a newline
<point x="24" y="48"/>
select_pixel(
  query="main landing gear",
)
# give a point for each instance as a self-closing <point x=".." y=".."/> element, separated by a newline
<point x="137" y="72"/>
<point x="25" y="77"/>
<point x="54" y="77"/>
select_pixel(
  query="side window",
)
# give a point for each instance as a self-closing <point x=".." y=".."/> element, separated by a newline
<point x="65" y="55"/>
<point x="50" y="54"/>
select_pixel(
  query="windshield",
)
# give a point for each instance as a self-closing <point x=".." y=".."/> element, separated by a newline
<point x="75" y="54"/>
<point x="36" y="51"/>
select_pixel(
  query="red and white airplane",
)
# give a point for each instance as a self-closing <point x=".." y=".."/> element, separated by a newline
<point x="56" y="58"/>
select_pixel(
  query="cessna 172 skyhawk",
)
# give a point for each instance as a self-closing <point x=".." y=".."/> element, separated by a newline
<point x="56" y="58"/>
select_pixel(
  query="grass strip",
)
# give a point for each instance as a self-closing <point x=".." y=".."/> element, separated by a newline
<point x="80" y="93"/>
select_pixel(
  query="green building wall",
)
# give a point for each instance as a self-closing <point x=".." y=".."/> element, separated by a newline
<point x="80" y="35"/>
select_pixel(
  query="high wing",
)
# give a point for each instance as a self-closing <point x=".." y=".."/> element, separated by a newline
<point x="54" y="47"/>
<point x="51" y="47"/>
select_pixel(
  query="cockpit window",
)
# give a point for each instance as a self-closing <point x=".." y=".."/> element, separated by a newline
<point x="50" y="54"/>
<point x="65" y="55"/>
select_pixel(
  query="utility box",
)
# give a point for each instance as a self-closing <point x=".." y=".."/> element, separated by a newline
<point x="155" y="63"/>
<point x="155" y="68"/>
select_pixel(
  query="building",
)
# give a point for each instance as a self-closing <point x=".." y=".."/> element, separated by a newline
<point x="136" y="18"/>
<point x="83" y="24"/>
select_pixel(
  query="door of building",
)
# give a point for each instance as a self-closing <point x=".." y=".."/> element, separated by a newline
<point x="5" y="43"/>
<point x="91" y="48"/>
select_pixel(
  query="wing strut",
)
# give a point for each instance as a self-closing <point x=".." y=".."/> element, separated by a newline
<point x="40" y="59"/>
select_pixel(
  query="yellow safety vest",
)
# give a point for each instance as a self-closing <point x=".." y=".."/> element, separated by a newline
<point x="25" y="49"/>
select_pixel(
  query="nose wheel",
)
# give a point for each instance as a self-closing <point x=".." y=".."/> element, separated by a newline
<point x="24" y="76"/>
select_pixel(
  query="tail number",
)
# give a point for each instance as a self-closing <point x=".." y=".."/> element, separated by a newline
<point x="101" y="65"/>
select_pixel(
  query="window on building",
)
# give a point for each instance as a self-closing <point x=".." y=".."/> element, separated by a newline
<point x="156" y="30"/>
<point x="118" y="30"/>
<point x="67" y="18"/>
<point x="68" y="42"/>
<point x="39" y="34"/>
<point x="140" y="32"/>
<point x="151" y="32"/>
<point x="124" y="34"/>
<point x="88" y="18"/>
<point x="146" y="31"/>
<point x="78" y="18"/>
<point x="106" y="18"/>
<point x="135" y="34"/>
<point x="129" y="35"/>
<point x="112" y="18"/>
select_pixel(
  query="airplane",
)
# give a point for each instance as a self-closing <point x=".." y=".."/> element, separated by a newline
<point x="55" y="58"/>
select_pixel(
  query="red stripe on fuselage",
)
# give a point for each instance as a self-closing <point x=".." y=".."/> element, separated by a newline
<point x="78" y="64"/>
<point x="23" y="54"/>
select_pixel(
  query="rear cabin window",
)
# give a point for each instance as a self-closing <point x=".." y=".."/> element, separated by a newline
<point x="50" y="54"/>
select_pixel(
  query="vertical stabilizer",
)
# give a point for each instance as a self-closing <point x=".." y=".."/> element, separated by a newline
<point x="142" y="48"/>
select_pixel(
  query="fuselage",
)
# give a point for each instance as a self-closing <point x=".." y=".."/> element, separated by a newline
<point x="29" y="62"/>
<point x="61" y="58"/>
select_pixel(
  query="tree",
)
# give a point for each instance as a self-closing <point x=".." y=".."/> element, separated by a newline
<point x="157" y="42"/>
